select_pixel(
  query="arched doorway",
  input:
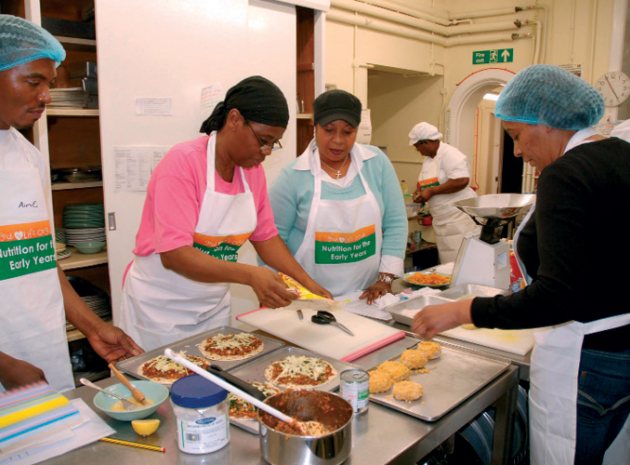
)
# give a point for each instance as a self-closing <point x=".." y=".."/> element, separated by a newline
<point x="482" y="139"/>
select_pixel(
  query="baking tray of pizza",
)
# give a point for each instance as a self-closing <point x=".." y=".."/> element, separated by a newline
<point x="288" y="367"/>
<point x="225" y="347"/>
<point x="428" y="384"/>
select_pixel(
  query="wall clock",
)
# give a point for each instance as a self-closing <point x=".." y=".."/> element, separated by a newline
<point x="614" y="87"/>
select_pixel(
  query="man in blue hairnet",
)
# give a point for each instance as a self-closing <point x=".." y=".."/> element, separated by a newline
<point x="35" y="292"/>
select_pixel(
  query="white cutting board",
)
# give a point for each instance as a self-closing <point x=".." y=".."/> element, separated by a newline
<point x="327" y="340"/>
<point x="517" y="341"/>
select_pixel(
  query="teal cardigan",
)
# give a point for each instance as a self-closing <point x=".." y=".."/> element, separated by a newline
<point x="292" y="193"/>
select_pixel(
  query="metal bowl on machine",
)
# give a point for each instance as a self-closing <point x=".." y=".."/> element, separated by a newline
<point x="494" y="211"/>
<point x="502" y="206"/>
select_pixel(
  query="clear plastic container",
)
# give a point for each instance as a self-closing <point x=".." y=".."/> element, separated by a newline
<point x="202" y="415"/>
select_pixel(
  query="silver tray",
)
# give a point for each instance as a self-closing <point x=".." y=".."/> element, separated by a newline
<point x="403" y="312"/>
<point x="254" y="370"/>
<point x="189" y="345"/>
<point x="464" y="291"/>
<point x="453" y="377"/>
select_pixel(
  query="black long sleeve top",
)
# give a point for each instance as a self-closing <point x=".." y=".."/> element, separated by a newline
<point x="573" y="248"/>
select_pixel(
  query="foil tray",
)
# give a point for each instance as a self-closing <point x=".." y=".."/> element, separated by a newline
<point x="452" y="378"/>
<point x="254" y="370"/>
<point x="189" y="345"/>
<point x="403" y="312"/>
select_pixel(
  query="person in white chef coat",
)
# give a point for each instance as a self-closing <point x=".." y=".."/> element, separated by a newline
<point x="205" y="199"/>
<point x="339" y="206"/>
<point x="579" y="397"/>
<point x="34" y="291"/>
<point x="444" y="179"/>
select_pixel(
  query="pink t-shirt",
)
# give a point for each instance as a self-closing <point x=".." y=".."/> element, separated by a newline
<point x="175" y="193"/>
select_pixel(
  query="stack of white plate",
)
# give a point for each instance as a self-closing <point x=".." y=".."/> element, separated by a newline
<point x="84" y="225"/>
<point x="62" y="251"/>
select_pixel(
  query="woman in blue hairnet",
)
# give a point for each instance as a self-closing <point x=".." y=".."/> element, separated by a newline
<point x="579" y="396"/>
<point x="35" y="292"/>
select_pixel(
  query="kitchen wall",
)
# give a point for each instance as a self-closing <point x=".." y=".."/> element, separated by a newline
<point x="405" y="74"/>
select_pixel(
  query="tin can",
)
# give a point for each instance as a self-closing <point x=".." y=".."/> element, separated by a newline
<point x="354" y="387"/>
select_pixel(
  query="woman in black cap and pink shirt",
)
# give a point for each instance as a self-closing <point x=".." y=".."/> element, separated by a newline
<point x="204" y="200"/>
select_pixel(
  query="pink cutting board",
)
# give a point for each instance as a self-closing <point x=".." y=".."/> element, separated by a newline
<point x="515" y="341"/>
<point x="327" y="340"/>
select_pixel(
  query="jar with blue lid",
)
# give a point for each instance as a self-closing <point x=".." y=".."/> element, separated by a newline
<point x="202" y="415"/>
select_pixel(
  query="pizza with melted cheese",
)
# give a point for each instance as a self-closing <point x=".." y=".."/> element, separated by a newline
<point x="240" y="408"/>
<point x="162" y="369"/>
<point x="232" y="346"/>
<point x="299" y="371"/>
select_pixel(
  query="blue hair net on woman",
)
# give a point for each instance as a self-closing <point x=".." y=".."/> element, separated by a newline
<point x="549" y="95"/>
<point x="22" y="41"/>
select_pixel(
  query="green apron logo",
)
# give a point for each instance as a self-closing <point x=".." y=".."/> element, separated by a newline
<point x="19" y="258"/>
<point x="334" y="253"/>
<point x="225" y="252"/>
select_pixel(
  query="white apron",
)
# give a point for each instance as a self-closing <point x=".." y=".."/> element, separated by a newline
<point x="554" y="370"/>
<point x="342" y="242"/>
<point x="160" y="306"/>
<point x="32" y="317"/>
<point x="449" y="223"/>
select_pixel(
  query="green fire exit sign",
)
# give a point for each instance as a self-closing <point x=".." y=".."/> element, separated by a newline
<point x="498" y="55"/>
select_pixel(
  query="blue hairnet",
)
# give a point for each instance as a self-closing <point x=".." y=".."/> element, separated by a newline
<point x="22" y="41"/>
<point x="549" y="95"/>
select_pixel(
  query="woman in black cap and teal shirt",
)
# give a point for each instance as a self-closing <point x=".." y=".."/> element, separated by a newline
<point x="204" y="200"/>
<point x="339" y="206"/>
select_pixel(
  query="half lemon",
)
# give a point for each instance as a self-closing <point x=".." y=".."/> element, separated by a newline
<point x="145" y="427"/>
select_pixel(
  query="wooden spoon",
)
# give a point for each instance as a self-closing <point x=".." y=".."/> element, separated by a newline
<point x="135" y="392"/>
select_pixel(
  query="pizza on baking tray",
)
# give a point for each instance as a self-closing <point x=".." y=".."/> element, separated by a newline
<point x="162" y="369"/>
<point x="299" y="371"/>
<point x="240" y="408"/>
<point x="231" y="346"/>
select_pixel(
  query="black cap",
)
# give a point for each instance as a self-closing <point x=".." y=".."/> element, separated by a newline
<point x="337" y="104"/>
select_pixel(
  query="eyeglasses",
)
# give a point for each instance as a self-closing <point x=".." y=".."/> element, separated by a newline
<point x="271" y="146"/>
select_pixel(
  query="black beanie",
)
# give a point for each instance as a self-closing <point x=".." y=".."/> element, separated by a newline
<point x="257" y="99"/>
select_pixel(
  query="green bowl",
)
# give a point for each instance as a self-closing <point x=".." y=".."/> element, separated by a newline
<point x="90" y="247"/>
<point x="155" y="392"/>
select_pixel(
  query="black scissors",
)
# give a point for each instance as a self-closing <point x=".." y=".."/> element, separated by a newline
<point x="326" y="318"/>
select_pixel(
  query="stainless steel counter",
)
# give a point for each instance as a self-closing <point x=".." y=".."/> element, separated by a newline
<point x="380" y="436"/>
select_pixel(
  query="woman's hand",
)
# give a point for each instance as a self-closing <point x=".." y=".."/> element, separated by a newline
<point x="15" y="372"/>
<point x="315" y="288"/>
<point x="112" y="343"/>
<point x="269" y="288"/>
<point x="376" y="290"/>
<point x="434" y="319"/>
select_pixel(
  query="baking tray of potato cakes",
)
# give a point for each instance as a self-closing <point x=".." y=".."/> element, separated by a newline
<point x="132" y="365"/>
<point x="446" y="381"/>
